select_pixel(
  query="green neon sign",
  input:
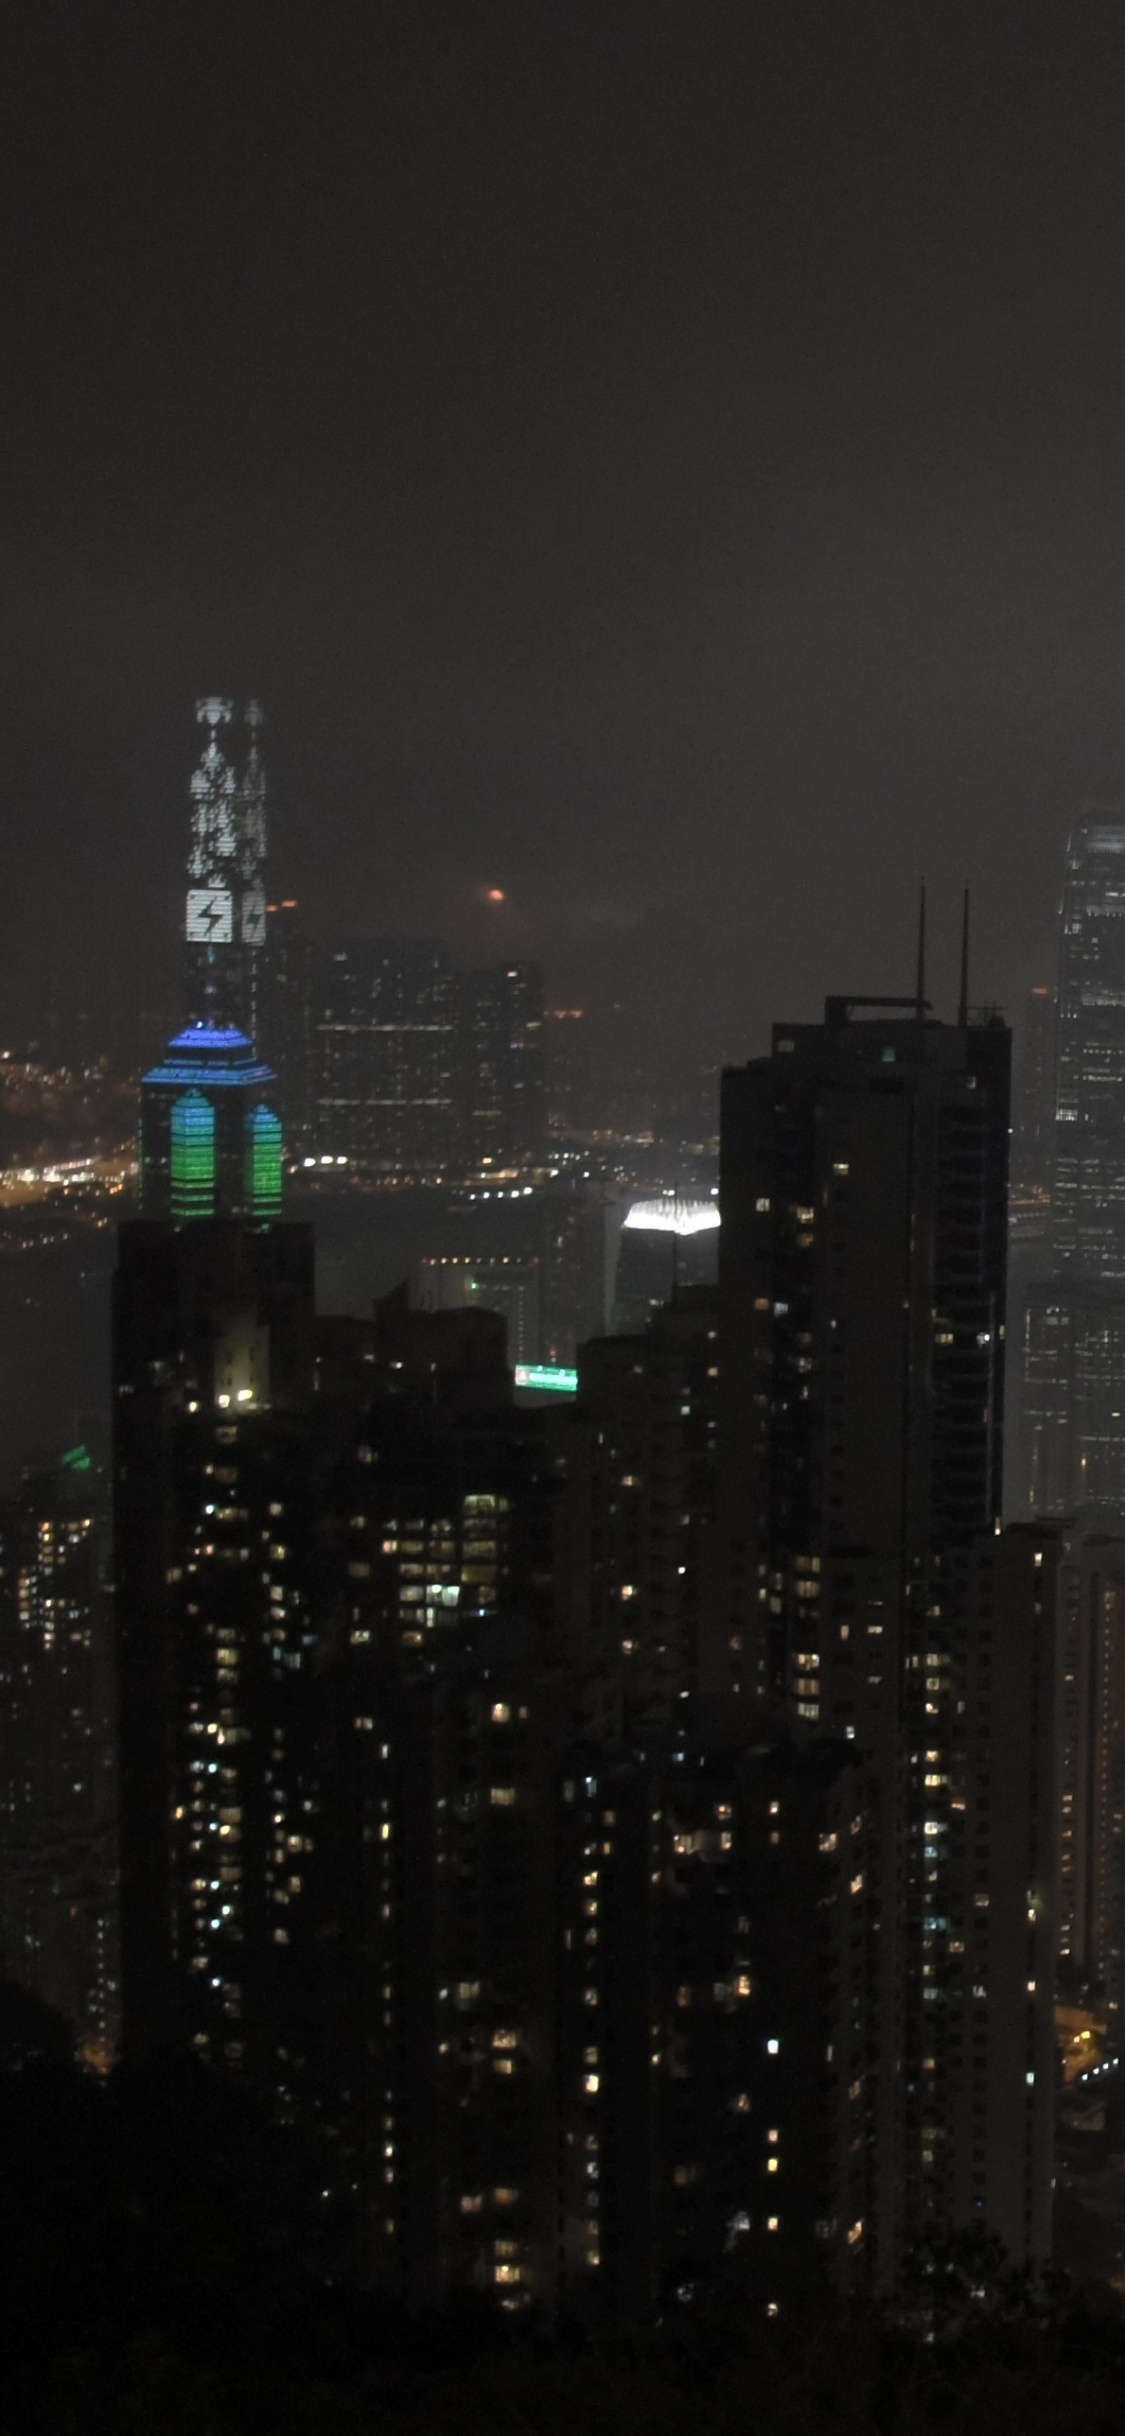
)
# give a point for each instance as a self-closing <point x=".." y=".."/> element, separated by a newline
<point x="548" y="1376"/>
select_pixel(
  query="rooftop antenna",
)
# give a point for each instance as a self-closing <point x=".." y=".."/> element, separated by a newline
<point x="963" y="1004"/>
<point x="920" y="986"/>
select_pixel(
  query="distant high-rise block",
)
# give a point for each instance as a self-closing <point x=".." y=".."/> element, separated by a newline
<point x="1072" y="1378"/>
<point x="285" y="1034"/>
<point x="453" y="1281"/>
<point x="1033" y="1113"/>
<point x="501" y="1111"/>
<point x="384" y="1042"/>
<point x="568" y="1072"/>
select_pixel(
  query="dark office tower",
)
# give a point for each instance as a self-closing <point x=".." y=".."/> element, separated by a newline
<point x="454" y="1281"/>
<point x="1033" y="1110"/>
<point x="1089" y="1204"/>
<point x="1071" y="1438"/>
<point x="580" y="1225"/>
<point x="384" y="1036"/>
<point x="285" y="1019"/>
<point x="650" y="1402"/>
<point x="1072" y="1381"/>
<point x="719" y="1919"/>
<point x="212" y="1368"/>
<point x="862" y="1266"/>
<point x="225" y="917"/>
<point x="212" y="1362"/>
<point x="500" y="1069"/>
<point x="979" y="1984"/>
<point x="57" y="1842"/>
<point x="1092" y="1765"/>
<point x="568" y="1074"/>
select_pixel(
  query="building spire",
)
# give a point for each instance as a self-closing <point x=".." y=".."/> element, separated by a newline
<point x="920" y="984"/>
<point x="963" y="1002"/>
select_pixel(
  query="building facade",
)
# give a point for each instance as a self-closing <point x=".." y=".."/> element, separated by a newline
<point x="862" y="1306"/>
<point x="58" y="1846"/>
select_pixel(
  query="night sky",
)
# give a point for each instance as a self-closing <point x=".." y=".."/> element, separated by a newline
<point x="666" y="461"/>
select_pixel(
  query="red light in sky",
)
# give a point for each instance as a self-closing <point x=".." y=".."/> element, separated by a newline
<point x="496" y="896"/>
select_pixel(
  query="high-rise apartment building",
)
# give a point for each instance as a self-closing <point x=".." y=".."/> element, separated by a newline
<point x="862" y="1268"/>
<point x="1091" y="1572"/>
<point x="212" y="1368"/>
<point x="720" y="1931"/>
<point x="649" y="1402"/>
<point x="58" y="1858"/>
<point x="862" y="1276"/>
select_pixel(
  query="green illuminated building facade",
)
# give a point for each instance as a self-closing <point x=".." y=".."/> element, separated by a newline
<point x="211" y="1146"/>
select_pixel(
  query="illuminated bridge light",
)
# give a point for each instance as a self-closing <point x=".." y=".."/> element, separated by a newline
<point x="548" y="1376"/>
<point x="193" y="1156"/>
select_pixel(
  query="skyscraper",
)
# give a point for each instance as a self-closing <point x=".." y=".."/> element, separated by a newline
<point x="500" y="1068"/>
<point x="213" y="1358"/>
<point x="1092" y="1789"/>
<point x="284" y="1034"/>
<point x="1033" y="1112"/>
<point x="862" y="1274"/>
<point x="1071" y="1443"/>
<point x="384" y="1035"/>
<point x="58" y="1855"/>
<point x="1089" y="1183"/>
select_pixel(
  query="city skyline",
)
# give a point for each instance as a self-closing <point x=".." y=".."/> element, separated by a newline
<point x="562" y="1219"/>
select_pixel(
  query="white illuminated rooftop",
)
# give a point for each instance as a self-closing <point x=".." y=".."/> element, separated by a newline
<point x="670" y="1215"/>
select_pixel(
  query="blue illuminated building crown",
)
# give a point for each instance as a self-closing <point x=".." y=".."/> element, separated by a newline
<point x="211" y="1147"/>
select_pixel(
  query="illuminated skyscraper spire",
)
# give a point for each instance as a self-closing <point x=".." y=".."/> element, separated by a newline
<point x="226" y="899"/>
